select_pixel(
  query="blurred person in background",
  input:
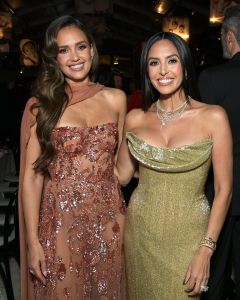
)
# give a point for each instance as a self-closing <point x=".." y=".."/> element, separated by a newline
<point x="220" y="85"/>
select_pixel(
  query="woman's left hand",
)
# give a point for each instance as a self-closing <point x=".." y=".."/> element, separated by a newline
<point x="197" y="275"/>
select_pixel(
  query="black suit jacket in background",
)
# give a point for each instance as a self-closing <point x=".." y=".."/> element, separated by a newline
<point x="221" y="85"/>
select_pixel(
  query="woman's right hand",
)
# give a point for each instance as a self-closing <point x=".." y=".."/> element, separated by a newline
<point x="37" y="262"/>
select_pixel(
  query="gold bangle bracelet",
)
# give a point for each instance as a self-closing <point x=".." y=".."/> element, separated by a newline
<point x="208" y="242"/>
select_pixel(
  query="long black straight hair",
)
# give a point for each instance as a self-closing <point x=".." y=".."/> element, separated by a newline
<point x="150" y="94"/>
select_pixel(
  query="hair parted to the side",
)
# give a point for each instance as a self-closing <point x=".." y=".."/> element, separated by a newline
<point x="50" y="85"/>
<point x="150" y="94"/>
<point x="231" y="21"/>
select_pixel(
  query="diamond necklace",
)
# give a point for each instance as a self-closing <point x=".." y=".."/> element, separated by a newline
<point x="166" y="116"/>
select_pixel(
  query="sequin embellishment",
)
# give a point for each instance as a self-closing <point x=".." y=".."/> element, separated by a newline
<point x="81" y="217"/>
<point x="166" y="218"/>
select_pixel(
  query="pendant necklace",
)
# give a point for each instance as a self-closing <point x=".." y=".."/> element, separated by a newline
<point x="166" y="116"/>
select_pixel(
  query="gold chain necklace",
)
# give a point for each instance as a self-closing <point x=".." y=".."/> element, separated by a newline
<point x="166" y="116"/>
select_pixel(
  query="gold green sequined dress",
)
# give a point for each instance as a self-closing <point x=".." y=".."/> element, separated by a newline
<point x="166" y="218"/>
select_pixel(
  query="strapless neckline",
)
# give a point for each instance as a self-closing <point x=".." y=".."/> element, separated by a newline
<point x="195" y="144"/>
<point x="84" y="128"/>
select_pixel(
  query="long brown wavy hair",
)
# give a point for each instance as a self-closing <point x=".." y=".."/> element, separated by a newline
<point x="49" y="88"/>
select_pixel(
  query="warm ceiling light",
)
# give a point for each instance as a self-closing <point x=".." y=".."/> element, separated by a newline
<point x="184" y="36"/>
<point x="159" y="8"/>
<point x="162" y="7"/>
<point x="115" y="60"/>
<point x="215" y="20"/>
<point x="5" y="23"/>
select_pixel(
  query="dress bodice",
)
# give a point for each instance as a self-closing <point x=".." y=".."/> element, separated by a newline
<point x="84" y="151"/>
<point x="183" y="170"/>
<point x="176" y="159"/>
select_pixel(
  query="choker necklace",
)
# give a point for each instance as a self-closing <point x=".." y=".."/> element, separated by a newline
<point x="166" y="116"/>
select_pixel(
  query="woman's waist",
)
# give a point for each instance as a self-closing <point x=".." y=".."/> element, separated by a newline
<point x="93" y="179"/>
<point x="171" y="192"/>
<point x="78" y="171"/>
<point x="167" y="204"/>
<point x="184" y="182"/>
<point x="68" y="195"/>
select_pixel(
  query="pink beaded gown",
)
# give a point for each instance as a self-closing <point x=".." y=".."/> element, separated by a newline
<point x="81" y="217"/>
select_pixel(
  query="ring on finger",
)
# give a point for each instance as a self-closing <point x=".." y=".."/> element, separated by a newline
<point x="204" y="288"/>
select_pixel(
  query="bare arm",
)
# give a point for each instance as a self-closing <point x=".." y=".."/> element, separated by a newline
<point x="120" y="102"/>
<point x="222" y="168"/>
<point x="31" y="198"/>
<point x="199" y="269"/>
<point x="125" y="166"/>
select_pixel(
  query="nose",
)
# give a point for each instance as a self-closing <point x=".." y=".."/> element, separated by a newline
<point x="74" y="55"/>
<point x="163" y="69"/>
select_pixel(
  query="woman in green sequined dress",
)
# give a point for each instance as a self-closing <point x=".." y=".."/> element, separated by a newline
<point x="170" y="231"/>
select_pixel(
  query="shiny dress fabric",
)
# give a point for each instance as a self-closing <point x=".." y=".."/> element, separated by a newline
<point x="166" y="218"/>
<point x="81" y="218"/>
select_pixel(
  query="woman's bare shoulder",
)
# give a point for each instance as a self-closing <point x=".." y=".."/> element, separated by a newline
<point x="111" y="93"/>
<point x="210" y="112"/>
<point x="113" y="97"/>
<point x="134" y="118"/>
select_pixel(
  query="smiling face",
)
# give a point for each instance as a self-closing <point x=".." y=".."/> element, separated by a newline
<point x="164" y="67"/>
<point x="75" y="54"/>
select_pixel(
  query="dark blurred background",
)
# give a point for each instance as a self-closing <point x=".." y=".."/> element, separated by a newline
<point x="120" y="28"/>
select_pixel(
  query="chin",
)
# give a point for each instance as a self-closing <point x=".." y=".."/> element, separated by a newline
<point x="78" y="78"/>
<point x="166" y="91"/>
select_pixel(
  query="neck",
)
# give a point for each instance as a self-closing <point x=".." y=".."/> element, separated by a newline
<point x="172" y="102"/>
<point x="76" y="83"/>
<point x="81" y="91"/>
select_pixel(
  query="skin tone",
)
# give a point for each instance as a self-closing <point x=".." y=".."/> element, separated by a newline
<point x="75" y="54"/>
<point x="203" y="122"/>
<point x="230" y="44"/>
<point x="107" y="106"/>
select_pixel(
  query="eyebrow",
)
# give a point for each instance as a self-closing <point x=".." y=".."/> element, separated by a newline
<point x="169" y="56"/>
<point x="76" y="44"/>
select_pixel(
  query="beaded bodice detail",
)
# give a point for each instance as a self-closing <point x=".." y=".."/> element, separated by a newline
<point x="86" y="150"/>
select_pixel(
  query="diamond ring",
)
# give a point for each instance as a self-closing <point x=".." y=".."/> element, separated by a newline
<point x="204" y="288"/>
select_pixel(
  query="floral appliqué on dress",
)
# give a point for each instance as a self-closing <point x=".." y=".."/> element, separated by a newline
<point x="81" y="217"/>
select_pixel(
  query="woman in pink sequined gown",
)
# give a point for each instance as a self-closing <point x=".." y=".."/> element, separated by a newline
<point x="70" y="205"/>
